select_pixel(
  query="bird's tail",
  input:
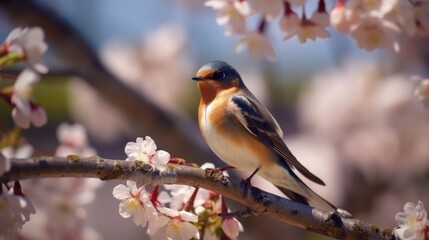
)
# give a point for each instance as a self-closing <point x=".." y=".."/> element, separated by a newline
<point x="310" y="198"/>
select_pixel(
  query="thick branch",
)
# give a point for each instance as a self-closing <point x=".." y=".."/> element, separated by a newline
<point x="329" y="224"/>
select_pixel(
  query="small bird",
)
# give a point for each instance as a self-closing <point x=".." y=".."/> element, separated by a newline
<point x="243" y="133"/>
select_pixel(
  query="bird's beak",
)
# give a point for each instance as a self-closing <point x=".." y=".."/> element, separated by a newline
<point x="198" y="78"/>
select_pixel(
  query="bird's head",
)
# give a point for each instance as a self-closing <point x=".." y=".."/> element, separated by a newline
<point x="217" y="76"/>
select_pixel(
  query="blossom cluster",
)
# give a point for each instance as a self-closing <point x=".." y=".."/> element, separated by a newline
<point x="372" y="24"/>
<point x="23" y="45"/>
<point x="60" y="203"/>
<point x="179" y="212"/>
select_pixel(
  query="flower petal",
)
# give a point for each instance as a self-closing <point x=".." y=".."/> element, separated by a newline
<point x="121" y="192"/>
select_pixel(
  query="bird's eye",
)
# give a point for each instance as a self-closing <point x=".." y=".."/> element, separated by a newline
<point x="218" y="76"/>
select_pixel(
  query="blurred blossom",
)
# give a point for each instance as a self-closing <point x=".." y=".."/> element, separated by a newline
<point x="61" y="208"/>
<point x="62" y="201"/>
<point x="419" y="24"/>
<point x="15" y="210"/>
<point x="422" y="92"/>
<point x="373" y="120"/>
<point x="173" y="224"/>
<point x="270" y="9"/>
<point x="232" y="14"/>
<point x="258" y="44"/>
<point x="145" y="150"/>
<point x="90" y="106"/>
<point x="4" y="164"/>
<point x="344" y="19"/>
<point x="373" y="32"/>
<point x="159" y="68"/>
<point x="22" y="151"/>
<point x="180" y="195"/>
<point x="25" y="111"/>
<point x="29" y="42"/>
<point x="73" y="140"/>
<point x="413" y="222"/>
<point x="231" y="227"/>
<point x="135" y="202"/>
<point x="305" y="28"/>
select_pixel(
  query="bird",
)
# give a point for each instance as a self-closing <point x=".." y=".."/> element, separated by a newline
<point x="241" y="131"/>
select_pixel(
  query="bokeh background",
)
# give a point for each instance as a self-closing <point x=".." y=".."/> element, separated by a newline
<point x="123" y="70"/>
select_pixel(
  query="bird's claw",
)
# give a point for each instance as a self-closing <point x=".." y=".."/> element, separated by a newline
<point x="246" y="184"/>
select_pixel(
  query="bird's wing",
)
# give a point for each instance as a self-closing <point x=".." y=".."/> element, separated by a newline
<point x="261" y="124"/>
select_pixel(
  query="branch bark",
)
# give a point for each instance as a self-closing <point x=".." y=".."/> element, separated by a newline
<point x="260" y="202"/>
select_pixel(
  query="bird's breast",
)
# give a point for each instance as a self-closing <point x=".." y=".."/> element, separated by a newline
<point x="229" y="140"/>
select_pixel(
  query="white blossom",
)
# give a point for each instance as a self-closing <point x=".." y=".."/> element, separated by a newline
<point x="135" y="202"/>
<point x="309" y="29"/>
<point x="344" y="19"/>
<point x="145" y="150"/>
<point x="174" y="225"/>
<point x="422" y="92"/>
<point x="73" y="140"/>
<point x="232" y="14"/>
<point x="374" y="32"/>
<point x="269" y="8"/>
<point x="24" y="111"/>
<point x="22" y="151"/>
<point x="15" y="210"/>
<point x="30" y="42"/>
<point x="258" y="45"/>
<point x="413" y="222"/>
<point x="180" y="195"/>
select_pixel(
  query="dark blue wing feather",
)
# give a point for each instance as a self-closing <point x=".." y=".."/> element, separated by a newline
<point x="257" y="120"/>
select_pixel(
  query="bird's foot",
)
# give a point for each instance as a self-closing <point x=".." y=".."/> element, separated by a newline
<point x="246" y="183"/>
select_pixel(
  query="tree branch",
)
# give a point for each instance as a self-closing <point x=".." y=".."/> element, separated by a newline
<point x="329" y="224"/>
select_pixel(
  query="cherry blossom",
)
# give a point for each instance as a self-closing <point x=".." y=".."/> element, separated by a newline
<point x="135" y="202"/>
<point x="22" y="151"/>
<point x="25" y="111"/>
<point x="373" y="32"/>
<point x="30" y="42"/>
<point x="232" y="14"/>
<point x="61" y="208"/>
<point x="15" y="210"/>
<point x="173" y="224"/>
<point x="413" y="222"/>
<point x="269" y="8"/>
<point x="258" y="45"/>
<point x="419" y="23"/>
<point x="422" y="92"/>
<point x="289" y="20"/>
<point x="73" y="140"/>
<point x="309" y="29"/>
<point x="343" y="18"/>
<point x="180" y="195"/>
<point x="145" y="150"/>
